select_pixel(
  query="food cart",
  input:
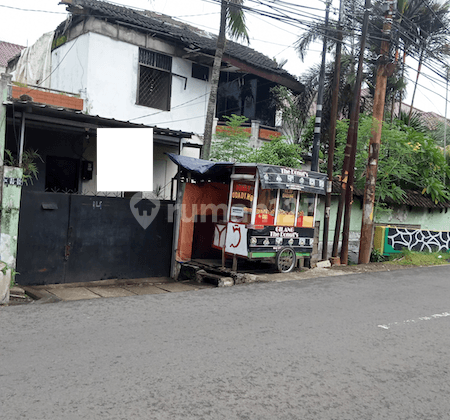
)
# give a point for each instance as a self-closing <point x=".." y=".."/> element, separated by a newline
<point x="270" y="214"/>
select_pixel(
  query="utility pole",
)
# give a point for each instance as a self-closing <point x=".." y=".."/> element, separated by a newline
<point x="445" y="124"/>
<point x="316" y="140"/>
<point x="350" y="148"/>
<point x="365" y="246"/>
<point x="332" y="136"/>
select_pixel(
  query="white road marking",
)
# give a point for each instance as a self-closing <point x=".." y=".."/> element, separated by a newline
<point x="408" y="321"/>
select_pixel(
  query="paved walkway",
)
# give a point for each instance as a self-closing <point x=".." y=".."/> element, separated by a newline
<point x="155" y="285"/>
<point x="109" y="288"/>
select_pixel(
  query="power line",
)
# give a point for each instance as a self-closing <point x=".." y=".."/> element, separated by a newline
<point x="290" y="14"/>
<point x="32" y="10"/>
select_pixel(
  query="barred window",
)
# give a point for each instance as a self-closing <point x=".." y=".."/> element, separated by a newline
<point x="155" y="80"/>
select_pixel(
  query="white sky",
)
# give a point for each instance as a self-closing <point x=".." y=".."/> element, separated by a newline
<point x="271" y="37"/>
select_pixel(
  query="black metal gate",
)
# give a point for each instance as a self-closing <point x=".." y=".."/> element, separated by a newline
<point x="66" y="238"/>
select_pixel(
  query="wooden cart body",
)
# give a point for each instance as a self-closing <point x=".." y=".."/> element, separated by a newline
<point x="271" y="214"/>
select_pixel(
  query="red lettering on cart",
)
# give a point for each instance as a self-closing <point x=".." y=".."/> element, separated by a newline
<point x="237" y="228"/>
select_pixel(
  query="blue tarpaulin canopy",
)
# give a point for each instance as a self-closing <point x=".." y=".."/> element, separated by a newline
<point x="199" y="166"/>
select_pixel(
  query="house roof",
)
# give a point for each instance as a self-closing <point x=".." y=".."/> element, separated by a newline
<point x="8" y="51"/>
<point x="194" y="40"/>
<point x="43" y="115"/>
<point x="411" y="198"/>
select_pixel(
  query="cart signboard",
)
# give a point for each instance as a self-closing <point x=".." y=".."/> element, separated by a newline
<point x="236" y="239"/>
<point x="279" y="177"/>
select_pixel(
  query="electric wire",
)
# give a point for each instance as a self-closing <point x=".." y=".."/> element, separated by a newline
<point x="280" y="13"/>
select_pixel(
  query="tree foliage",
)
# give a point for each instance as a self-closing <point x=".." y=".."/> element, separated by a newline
<point x="278" y="152"/>
<point x="409" y="159"/>
<point x="231" y="144"/>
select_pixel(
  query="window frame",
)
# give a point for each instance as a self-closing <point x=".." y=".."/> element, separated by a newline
<point x="159" y="69"/>
<point x="197" y="67"/>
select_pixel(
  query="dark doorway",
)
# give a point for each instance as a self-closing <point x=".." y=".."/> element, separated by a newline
<point x="61" y="174"/>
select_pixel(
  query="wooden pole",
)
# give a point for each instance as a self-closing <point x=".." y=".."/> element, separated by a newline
<point x="350" y="148"/>
<point x="365" y="245"/>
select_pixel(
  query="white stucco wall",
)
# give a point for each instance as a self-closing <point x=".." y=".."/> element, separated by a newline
<point x="108" y="69"/>
<point x="70" y="65"/>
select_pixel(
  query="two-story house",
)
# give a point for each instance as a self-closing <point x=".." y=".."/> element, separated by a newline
<point x="123" y="68"/>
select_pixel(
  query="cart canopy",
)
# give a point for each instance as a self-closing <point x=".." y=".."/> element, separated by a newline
<point x="199" y="166"/>
<point x="271" y="176"/>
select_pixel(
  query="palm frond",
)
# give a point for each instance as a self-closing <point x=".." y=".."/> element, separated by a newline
<point x="236" y="26"/>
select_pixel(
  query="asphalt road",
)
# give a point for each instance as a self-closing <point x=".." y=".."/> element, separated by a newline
<point x="372" y="346"/>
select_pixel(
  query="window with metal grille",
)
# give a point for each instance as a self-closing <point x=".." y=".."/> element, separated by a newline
<point x="155" y="79"/>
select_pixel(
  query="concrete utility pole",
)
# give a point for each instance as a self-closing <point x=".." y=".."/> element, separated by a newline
<point x="445" y="124"/>
<point x="332" y="137"/>
<point x="350" y="148"/>
<point x="365" y="246"/>
<point x="353" y="135"/>
<point x="316" y="141"/>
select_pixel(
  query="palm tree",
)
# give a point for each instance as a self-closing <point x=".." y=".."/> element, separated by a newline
<point x="406" y="10"/>
<point x="232" y="20"/>
<point x="430" y="30"/>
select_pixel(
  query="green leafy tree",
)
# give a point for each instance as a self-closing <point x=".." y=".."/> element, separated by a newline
<point x="232" y="145"/>
<point x="278" y="152"/>
<point x="409" y="159"/>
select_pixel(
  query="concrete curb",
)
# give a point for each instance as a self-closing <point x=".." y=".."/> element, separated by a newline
<point x="40" y="295"/>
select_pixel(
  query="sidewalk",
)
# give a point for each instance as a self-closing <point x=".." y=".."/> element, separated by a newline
<point x="109" y="288"/>
<point x="156" y="285"/>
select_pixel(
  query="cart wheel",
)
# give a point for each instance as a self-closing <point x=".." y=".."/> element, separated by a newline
<point x="285" y="260"/>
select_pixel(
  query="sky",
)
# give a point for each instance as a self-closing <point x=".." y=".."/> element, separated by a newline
<point x="24" y="21"/>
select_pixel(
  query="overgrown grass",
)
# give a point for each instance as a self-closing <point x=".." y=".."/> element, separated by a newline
<point x="407" y="257"/>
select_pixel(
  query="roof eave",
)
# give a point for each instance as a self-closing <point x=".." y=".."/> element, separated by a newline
<point x="289" y="82"/>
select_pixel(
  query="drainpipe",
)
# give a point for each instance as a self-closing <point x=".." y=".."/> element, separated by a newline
<point x="22" y="139"/>
<point x="177" y="211"/>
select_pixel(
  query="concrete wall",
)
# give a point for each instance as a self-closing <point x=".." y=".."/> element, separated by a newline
<point x="105" y="71"/>
<point x="9" y="227"/>
<point x="427" y="219"/>
<point x="5" y="281"/>
<point x="71" y="74"/>
<point x="401" y="215"/>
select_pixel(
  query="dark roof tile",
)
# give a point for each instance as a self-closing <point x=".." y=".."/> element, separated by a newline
<point x="411" y="198"/>
<point x="169" y="28"/>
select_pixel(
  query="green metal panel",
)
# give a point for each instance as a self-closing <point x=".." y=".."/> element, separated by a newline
<point x="388" y="249"/>
<point x="274" y="254"/>
<point x="262" y="254"/>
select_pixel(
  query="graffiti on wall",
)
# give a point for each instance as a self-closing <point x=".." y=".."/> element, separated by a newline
<point x="418" y="240"/>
